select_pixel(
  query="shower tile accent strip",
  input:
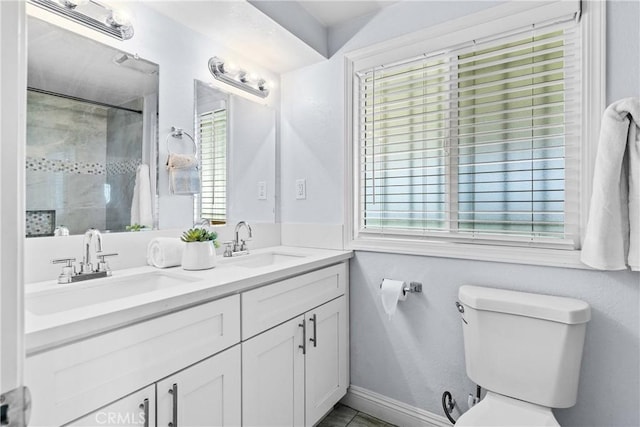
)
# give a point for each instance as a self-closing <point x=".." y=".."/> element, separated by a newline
<point x="40" y="164"/>
<point x="123" y="167"/>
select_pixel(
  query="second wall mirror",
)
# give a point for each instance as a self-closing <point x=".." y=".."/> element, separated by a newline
<point x="236" y="140"/>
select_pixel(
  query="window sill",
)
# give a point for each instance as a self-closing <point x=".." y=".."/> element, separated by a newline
<point x="494" y="253"/>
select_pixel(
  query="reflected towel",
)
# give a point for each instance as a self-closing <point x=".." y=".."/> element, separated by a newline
<point x="184" y="177"/>
<point x="141" y="211"/>
<point x="182" y="161"/>
<point x="612" y="238"/>
<point x="163" y="252"/>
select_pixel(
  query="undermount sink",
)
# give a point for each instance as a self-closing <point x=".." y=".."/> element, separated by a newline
<point x="67" y="297"/>
<point x="266" y="259"/>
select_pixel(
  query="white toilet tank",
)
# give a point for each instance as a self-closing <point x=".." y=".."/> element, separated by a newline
<point x="522" y="345"/>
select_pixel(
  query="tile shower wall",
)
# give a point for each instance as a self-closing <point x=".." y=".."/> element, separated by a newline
<point x="70" y="171"/>
<point x="65" y="160"/>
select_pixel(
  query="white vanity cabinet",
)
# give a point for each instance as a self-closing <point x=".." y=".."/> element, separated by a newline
<point x="294" y="372"/>
<point x="273" y="355"/>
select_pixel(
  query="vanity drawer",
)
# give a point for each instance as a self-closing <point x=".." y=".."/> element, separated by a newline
<point x="270" y="305"/>
<point x="73" y="380"/>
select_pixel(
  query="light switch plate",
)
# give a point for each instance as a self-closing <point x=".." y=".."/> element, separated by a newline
<point x="262" y="190"/>
<point x="301" y="189"/>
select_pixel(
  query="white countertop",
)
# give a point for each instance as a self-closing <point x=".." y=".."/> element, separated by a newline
<point x="47" y="331"/>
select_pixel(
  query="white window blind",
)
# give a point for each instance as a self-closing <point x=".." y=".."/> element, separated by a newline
<point x="479" y="141"/>
<point x="212" y="128"/>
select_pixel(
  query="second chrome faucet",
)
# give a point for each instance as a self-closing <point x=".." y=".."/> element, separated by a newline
<point x="238" y="246"/>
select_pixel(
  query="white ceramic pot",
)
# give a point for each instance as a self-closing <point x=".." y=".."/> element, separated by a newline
<point x="198" y="256"/>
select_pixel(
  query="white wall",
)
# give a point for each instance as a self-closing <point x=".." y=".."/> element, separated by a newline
<point x="418" y="354"/>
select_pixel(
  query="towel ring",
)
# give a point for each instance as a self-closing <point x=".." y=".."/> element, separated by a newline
<point x="177" y="133"/>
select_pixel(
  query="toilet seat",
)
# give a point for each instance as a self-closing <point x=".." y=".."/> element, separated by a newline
<point x="498" y="410"/>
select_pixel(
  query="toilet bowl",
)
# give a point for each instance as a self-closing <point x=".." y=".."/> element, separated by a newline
<point x="525" y="350"/>
<point x="501" y="411"/>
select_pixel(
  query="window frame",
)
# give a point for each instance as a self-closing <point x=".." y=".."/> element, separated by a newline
<point x="507" y="17"/>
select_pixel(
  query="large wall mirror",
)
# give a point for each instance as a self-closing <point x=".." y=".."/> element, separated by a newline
<point x="236" y="138"/>
<point x="92" y="118"/>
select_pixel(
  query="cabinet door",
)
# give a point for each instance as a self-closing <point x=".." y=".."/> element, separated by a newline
<point x="205" y="394"/>
<point x="137" y="409"/>
<point x="273" y="377"/>
<point x="327" y="358"/>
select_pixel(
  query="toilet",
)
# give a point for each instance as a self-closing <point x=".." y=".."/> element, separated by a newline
<point x="525" y="350"/>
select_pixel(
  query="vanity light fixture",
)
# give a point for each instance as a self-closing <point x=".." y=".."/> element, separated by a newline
<point x="92" y="14"/>
<point x="239" y="79"/>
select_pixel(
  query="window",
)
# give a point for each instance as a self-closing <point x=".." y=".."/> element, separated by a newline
<point x="212" y="128"/>
<point x="473" y="139"/>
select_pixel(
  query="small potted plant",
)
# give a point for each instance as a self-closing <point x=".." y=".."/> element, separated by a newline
<point x="199" y="252"/>
<point x="135" y="227"/>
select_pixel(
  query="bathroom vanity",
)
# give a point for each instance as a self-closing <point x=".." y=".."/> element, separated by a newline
<point x="259" y="340"/>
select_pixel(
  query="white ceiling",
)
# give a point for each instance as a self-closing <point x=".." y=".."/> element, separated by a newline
<point x="243" y="28"/>
<point x="332" y="12"/>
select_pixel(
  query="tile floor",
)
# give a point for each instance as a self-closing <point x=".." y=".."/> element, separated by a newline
<point x="343" y="416"/>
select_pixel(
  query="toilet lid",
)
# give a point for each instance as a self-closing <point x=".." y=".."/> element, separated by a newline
<point x="497" y="410"/>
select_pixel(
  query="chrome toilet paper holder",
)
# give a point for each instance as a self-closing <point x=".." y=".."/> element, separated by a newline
<point x="412" y="287"/>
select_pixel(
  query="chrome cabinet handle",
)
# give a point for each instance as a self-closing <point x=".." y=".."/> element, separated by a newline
<point x="314" y="340"/>
<point x="145" y="407"/>
<point x="174" y="416"/>
<point x="304" y="337"/>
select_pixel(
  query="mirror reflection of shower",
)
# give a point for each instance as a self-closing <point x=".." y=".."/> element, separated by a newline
<point x="91" y="121"/>
<point x="76" y="150"/>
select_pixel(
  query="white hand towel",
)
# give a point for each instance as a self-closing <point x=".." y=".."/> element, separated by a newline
<point x="163" y="252"/>
<point x="612" y="239"/>
<point x="182" y="161"/>
<point x="184" y="177"/>
<point x="141" y="211"/>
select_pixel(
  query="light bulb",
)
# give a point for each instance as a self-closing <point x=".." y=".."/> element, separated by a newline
<point x="231" y="67"/>
<point x="118" y="19"/>
<point x="72" y="4"/>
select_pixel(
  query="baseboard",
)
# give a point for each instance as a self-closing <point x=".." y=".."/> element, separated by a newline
<point x="390" y="410"/>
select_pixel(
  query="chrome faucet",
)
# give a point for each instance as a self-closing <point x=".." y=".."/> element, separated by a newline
<point x="90" y="249"/>
<point x="91" y="254"/>
<point x="239" y="246"/>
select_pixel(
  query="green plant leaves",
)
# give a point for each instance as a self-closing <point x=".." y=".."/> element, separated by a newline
<point x="199" y="235"/>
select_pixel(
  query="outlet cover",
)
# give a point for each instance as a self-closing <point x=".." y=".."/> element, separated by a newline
<point x="301" y="189"/>
<point x="262" y="190"/>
